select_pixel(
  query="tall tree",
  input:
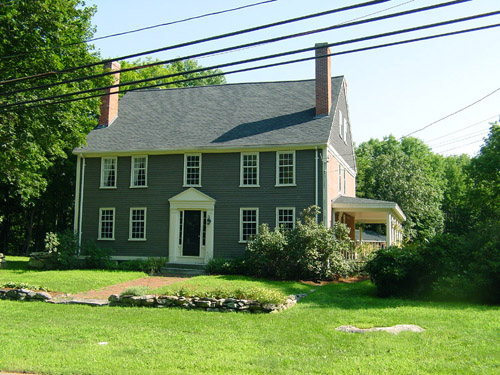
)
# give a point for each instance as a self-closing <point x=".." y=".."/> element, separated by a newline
<point x="484" y="172"/>
<point x="202" y="78"/>
<point x="33" y="139"/>
<point x="403" y="172"/>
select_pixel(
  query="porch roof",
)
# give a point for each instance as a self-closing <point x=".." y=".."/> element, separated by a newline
<point x="369" y="211"/>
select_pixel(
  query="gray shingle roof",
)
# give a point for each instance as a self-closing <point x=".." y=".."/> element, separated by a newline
<point x="355" y="200"/>
<point x="220" y="116"/>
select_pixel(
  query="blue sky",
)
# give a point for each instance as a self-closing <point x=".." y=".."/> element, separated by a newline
<point x="394" y="90"/>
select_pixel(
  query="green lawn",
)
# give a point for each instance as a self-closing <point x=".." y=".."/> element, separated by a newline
<point x="71" y="281"/>
<point x="58" y="339"/>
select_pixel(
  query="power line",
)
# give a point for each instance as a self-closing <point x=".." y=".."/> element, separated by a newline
<point x="460" y="139"/>
<point x="392" y="33"/>
<point x="197" y="55"/>
<point x="454" y="148"/>
<point x="38" y="50"/>
<point x="452" y="114"/>
<point x="265" y="66"/>
<point x="464" y="128"/>
<point x="211" y="38"/>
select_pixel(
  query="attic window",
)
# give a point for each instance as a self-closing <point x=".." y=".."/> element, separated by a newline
<point x="341" y="123"/>
<point x="346" y="124"/>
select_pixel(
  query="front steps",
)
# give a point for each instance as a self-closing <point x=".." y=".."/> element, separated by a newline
<point x="182" y="270"/>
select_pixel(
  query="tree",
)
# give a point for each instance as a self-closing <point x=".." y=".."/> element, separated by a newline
<point x="407" y="173"/>
<point x="484" y="173"/>
<point x="33" y="140"/>
<point x="165" y="69"/>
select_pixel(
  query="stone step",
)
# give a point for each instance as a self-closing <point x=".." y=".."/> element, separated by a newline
<point x="185" y="266"/>
<point x="180" y="272"/>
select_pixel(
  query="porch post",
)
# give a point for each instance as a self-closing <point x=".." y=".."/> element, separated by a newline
<point x="388" y="230"/>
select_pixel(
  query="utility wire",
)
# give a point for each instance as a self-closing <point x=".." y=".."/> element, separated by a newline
<point x="257" y="28"/>
<point x="392" y="33"/>
<point x="454" y="148"/>
<point x="461" y="139"/>
<point x="264" y="66"/>
<point x="452" y="114"/>
<point x="464" y="128"/>
<point x="38" y="50"/>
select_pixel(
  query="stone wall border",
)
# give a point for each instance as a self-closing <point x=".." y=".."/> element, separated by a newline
<point x="161" y="301"/>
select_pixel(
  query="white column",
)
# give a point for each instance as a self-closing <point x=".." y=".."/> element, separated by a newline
<point x="388" y="230"/>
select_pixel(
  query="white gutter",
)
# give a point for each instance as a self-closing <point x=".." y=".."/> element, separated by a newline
<point x="81" y="206"/>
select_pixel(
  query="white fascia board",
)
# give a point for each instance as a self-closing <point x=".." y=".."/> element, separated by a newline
<point x="371" y="207"/>
<point x="341" y="160"/>
<point x="200" y="149"/>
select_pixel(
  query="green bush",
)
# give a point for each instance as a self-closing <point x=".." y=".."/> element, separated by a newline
<point x="138" y="290"/>
<point x="97" y="257"/>
<point x="309" y="251"/>
<point x="149" y="266"/>
<point x="398" y="272"/>
<point x="222" y="266"/>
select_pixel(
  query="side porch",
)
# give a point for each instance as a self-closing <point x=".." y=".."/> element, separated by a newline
<point x="352" y="211"/>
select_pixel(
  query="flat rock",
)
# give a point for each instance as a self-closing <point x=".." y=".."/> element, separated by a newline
<point x="394" y="329"/>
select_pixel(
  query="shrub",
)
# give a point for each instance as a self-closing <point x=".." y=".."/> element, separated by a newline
<point x="222" y="266"/>
<point x="150" y="265"/>
<point x="63" y="248"/>
<point x="138" y="290"/>
<point x="309" y="251"/>
<point x="397" y="272"/>
<point x="97" y="257"/>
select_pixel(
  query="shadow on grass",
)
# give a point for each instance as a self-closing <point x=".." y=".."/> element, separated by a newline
<point x="19" y="266"/>
<point x="362" y="295"/>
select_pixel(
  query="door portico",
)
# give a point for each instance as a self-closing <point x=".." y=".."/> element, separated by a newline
<point x="191" y="231"/>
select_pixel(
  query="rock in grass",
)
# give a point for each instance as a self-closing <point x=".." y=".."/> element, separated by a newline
<point x="394" y="329"/>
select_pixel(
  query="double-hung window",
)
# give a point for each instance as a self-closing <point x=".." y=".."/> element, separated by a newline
<point x="106" y="224"/>
<point x="285" y="168"/>
<point x="249" y="223"/>
<point x="285" y="218"/>
<point x="139" y="171"/>
<point x="192" y="170"/>
<point x="137" y="226"/>
<point x="108" y="172"/>
<point x="249" y="170"/>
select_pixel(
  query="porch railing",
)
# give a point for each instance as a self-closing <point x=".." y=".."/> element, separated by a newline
<point x="361" y="251"/>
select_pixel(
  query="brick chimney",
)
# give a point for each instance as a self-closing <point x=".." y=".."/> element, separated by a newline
<point x="323" y="80"/>
<point x="109" y="103"/>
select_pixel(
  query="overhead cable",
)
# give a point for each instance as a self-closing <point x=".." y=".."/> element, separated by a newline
<point x="356" y="40"/>
<point x="234" y="33"/>
<point x="38" y="50"/>
<point x="259" y="67"/>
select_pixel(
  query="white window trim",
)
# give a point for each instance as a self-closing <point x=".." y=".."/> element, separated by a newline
<point x="185" y="170"/>
<point x="285" y="208"/>
<point x="278" y="153"/>
<point x="132" y="159"/>
<point x="241" y="222"/>
<point x="241" y="169"/>
<point x="130" y="223"/>
<point x="99" y="237"/>
<point x="102" y="172"/>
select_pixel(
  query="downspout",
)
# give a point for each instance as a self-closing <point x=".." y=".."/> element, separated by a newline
<point x="77" y="194"/>
<point x="81" y="206"/>
<point x="316" y="183"/>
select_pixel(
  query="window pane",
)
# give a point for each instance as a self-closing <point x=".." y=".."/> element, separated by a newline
<point x="285" y="170"/>
<point x="107" y="221"/>
<point x="192" y="170"/>
<point x="138" y="223"/>
<point x="250" y="169"/>
<point x="108" y="172"/>
<point x="248" y="224"/>
<point x="286" y="218"/>
<point x="139" y="169"/>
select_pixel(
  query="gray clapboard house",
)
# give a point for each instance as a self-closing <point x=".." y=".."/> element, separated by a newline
<point x="190" y="173"/>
